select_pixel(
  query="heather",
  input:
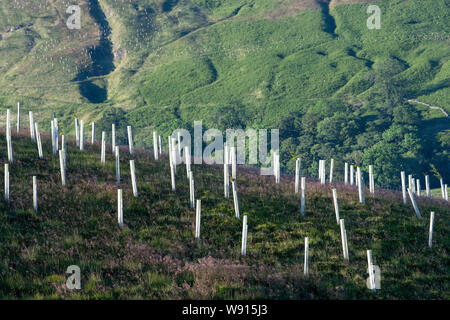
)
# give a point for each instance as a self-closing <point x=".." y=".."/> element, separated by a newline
<point x="155" y="255"/>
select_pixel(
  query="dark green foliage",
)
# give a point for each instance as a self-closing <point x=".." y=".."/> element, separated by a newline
<point x="117" y="117"/>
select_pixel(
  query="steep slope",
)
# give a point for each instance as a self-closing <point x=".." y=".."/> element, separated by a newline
<point x="149" y="35"/>
<point x="155" y="255"/>
<point x="40" y="55"/>
<point x="102" y="59"/>
<point x="244" y="63"/>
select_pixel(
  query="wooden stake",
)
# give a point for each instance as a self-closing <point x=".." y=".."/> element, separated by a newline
<point x="414" y="203"/>
<point x="120" y="207"/>
<point x="306" y="264"/>
<point x="35" y="195"/>
<point x="430" y="236"/>
<point x="244" y="236"/>
<point x="133" y="178"/>
<point x="418" y="187"/>
<point x="303" y="197"/>
<point x="336" y="205"/>
<point x="404" y="186"/>
<point x="235" y="199"/>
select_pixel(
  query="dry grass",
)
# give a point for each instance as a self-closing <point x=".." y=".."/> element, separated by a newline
<point x="291" y="8"/>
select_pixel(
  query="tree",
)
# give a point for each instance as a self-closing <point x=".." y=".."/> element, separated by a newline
<point x="291" y="125"/>
<point x="405" y="114"/>
<point x="386" y="89"/>
<point x="386" y="158"/>
<point x="228" y="117"/>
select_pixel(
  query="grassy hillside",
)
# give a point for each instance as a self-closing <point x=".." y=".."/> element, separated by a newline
<point x="40" y="55"/>
<point x="303" y="66"/>
<point x="257" y="50"/>
<point x="155" y="255"/>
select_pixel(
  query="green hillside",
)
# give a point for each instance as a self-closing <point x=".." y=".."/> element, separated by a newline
<point x="155" y="255"/>
<point x="311" y="68"/>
